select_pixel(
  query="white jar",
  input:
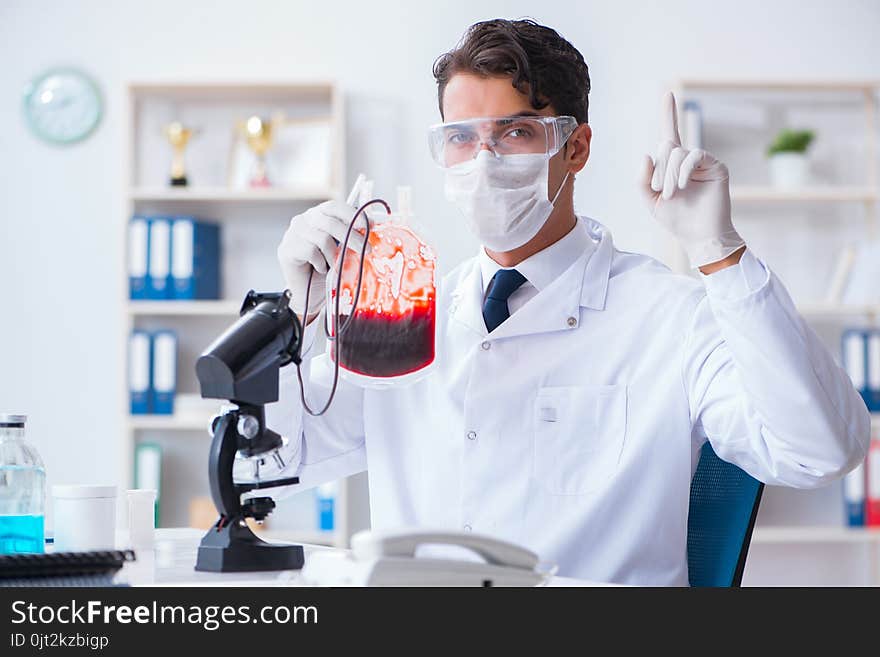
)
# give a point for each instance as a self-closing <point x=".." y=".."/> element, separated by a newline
<point x="141" y="517"/>
<point x="85" y="518"/>
<point x="789" y="170"/>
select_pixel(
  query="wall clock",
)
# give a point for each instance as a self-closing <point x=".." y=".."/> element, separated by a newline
<point x="62" y="106"/>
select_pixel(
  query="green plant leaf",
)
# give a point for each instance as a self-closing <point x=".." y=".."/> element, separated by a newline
<point x="791" y="141"/>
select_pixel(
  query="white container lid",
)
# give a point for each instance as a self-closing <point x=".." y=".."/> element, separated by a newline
<point x="142" y="493"/>
<point x="75" y="491"/>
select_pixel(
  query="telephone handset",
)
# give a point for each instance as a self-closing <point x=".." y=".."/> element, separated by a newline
<point x="373" y="545"/>
<point x="388" y="558"/>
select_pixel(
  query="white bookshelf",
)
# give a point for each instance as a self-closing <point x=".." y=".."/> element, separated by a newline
<point x="839" y="310"/>
<point x="782" y="535"/>
<point x="221" y="308"/>
<point x="778" y="85"/>
<point x="225" y="195"/>
<point x="823" y="194"/>
<point x="252" y="222"/>
<point x="176" y="422"/>
<point x="797" y="523"/>
<point x="861" y="196"/>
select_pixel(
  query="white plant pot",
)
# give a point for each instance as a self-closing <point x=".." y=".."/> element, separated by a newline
<point x="789" y="170"/>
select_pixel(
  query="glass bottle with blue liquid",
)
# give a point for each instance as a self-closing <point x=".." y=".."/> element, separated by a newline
<point x="22" y="489"/>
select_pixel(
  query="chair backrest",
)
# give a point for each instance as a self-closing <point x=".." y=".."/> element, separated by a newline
<point x="723" y="506"/>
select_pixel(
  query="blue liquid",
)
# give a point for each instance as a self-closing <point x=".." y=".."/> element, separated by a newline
<point x="325" y="513"/>
<point x="20" y="534"/>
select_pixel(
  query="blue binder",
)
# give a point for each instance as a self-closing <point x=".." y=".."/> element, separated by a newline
<point x="164" y="372"/>
<point x="872" y="358"/>
<point x="195" y="259"/>
<point x="138" y="257"/>
<point x="140" y="372"/>
<point x="854" y="354"/>
<point x="854" y="496"/>
<point x="159" y="269"/>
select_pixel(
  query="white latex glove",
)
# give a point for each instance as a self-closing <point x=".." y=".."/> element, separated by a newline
<point x="689" y="193"/>
<point x="310" y="244"/>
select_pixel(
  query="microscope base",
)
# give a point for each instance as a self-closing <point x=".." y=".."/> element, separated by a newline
<point x="235" y="548"/>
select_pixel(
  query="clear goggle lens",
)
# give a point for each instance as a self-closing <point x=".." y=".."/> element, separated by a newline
<point x="461" y="141"/>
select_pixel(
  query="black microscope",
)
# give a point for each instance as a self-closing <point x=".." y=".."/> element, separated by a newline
<point x="242" y="366"/>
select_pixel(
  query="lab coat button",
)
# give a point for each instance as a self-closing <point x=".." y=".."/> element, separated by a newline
<point x="485" y="346"/>
<point x="467" y="528"/>
<point x="472" y="435"/>
<point x="572" y="322"/>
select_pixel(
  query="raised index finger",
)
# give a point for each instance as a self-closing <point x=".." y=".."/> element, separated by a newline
<point x="669" y="120"/>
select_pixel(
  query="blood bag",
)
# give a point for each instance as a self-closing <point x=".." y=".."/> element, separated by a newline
<point x="388" y="335"/>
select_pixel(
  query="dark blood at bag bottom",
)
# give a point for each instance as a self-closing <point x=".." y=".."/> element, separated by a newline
<point x="384" y="346"/>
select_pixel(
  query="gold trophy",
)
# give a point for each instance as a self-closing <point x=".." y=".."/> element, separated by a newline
<point x="258" y="134"/>
<point x="179" y="137"/>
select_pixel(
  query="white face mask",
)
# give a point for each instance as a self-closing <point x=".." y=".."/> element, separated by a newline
<point x="503" y="199"/>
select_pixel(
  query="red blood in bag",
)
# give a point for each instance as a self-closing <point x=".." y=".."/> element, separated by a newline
<point x="384" y="346"/>
<point x="392" y="329"/>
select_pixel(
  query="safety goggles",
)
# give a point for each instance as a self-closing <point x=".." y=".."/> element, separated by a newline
<point x="461" y="141"/>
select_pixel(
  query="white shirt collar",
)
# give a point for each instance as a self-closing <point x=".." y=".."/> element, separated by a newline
<point x="546" y="265"/>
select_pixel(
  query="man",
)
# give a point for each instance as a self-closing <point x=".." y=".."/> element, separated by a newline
<point x="575" y="383"/>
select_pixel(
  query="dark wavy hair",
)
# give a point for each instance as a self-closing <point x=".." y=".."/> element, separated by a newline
<point x="538" y="60"/>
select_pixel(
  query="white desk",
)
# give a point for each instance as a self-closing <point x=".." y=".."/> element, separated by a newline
<point x="173" y="558"/>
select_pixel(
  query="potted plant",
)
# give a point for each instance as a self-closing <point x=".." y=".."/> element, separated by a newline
<point x="788" y="158"/>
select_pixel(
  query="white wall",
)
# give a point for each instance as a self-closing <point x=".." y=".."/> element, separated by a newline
<point x="60" y="283"/>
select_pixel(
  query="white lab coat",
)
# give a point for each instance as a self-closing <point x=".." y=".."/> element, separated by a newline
<point x="574" y="428"/>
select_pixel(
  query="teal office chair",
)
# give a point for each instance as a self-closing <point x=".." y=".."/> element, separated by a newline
<point x="724" y="504"/>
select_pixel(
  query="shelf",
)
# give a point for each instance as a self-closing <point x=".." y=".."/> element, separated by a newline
<point x="781" y="85"/>
<point x="829" y="534"/>
<point x="225" y="195"/>
<point x="226" y="91"/>
<point x="829" y="194"/>
<point x="221" y="308"/>
<point x="176" y="422"/>
<point x="821" y="309"/>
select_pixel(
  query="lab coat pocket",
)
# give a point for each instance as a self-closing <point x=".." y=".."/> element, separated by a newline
<point x="579" y="437"/>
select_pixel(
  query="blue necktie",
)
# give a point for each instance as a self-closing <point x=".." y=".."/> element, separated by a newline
<point x="504" y="283"/>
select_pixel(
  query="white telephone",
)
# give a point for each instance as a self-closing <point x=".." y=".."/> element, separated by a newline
<point x="388" y="558"/>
